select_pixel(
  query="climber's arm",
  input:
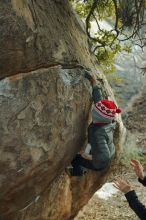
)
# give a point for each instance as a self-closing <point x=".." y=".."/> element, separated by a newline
<point x="94" y="81"/>
<point x="86" y="153"/>
<point x="97" y="93"/>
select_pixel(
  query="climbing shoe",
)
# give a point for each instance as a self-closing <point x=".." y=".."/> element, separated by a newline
<point x="69" y="171"/>
<point x="72" y="172"/>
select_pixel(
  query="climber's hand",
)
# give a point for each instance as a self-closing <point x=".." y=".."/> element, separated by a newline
<point x="81" y="151"/>
<point x="87" y="75"/>
<point x="86" y="156"/>
<point x="100" y="80"/>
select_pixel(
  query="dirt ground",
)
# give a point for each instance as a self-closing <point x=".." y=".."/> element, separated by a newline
<point x="114" y="208"/>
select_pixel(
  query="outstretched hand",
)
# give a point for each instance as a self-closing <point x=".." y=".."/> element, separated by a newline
<point x="122" y="185"/>
<point x="138" y="168"/>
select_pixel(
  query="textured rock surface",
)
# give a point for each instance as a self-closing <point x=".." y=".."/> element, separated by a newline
<point x="36" y="34"/>
<point x="40" y="130"/>
<point x="44" y="110"/>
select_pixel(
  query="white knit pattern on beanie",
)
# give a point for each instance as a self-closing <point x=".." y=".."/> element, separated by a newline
<point x="98" y="118"/>
<point x="104" y="111"/>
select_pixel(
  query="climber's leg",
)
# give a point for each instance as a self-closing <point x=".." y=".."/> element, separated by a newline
<point x="79" y="166"/>
<point x="80" y="161"/>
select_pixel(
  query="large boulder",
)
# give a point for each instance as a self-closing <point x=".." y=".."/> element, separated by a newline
<point x="44" y="107"/>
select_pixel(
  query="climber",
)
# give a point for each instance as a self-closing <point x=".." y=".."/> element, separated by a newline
<point x="100" y="149"/>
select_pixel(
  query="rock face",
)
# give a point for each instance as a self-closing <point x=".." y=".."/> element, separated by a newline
<point x="44" y="108"/>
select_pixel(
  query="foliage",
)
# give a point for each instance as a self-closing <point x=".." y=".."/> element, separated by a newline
<point x="120" y="14"/>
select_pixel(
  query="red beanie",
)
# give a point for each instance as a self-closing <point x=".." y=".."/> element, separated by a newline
<point x="107" y="108"/>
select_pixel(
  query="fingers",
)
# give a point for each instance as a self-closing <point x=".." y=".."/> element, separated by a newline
<point x="116" y="183"/>
<point x="135" y="163"/>
<point x="81" y="151"/>
<point x="128" y="183"/>
<point x="120" y="181"/>
<point x="116" y="186"/>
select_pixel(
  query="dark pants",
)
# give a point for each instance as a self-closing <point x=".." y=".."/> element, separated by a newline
<point x="79" y="163"/>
